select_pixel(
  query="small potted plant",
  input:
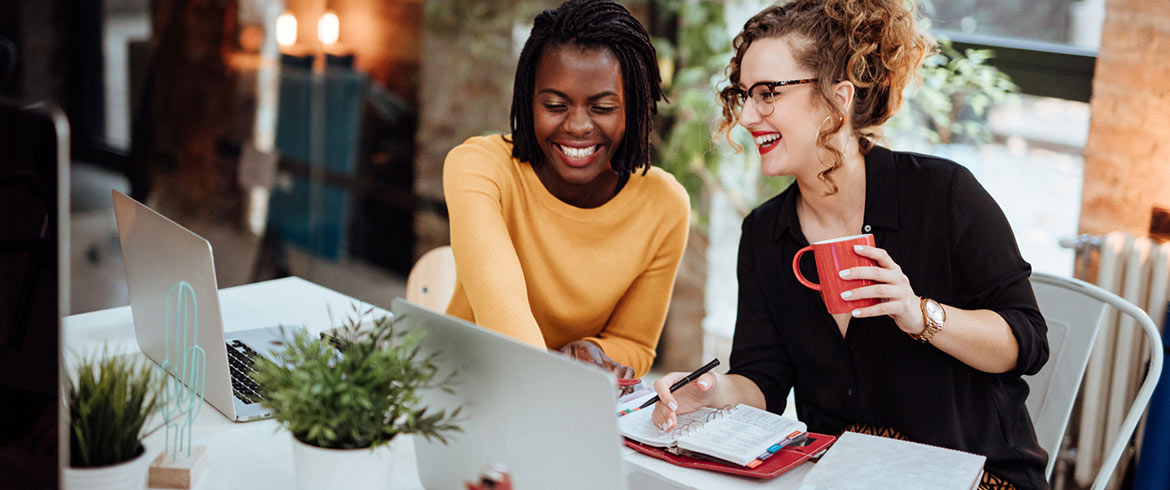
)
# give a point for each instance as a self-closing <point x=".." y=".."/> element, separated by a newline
<point x="344" y="397"/>
<point x="109" y="400"/>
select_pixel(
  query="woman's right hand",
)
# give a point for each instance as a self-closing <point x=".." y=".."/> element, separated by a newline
<point x="696" y="394"/>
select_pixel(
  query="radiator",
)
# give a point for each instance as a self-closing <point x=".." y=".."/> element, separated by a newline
<point x="1138" y="270"/>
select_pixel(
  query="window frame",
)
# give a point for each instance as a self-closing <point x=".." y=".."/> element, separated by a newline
<point x="1039" y="68"/>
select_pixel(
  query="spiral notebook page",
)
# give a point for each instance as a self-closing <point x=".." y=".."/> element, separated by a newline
<point x="639" y="426"/>
<point x="741" y="434"/>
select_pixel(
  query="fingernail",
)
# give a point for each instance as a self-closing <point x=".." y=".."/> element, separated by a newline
<point x="857" y="248"/>
<point x="672" y="405"/>
<point x="856" y="312"/>
<point x="847" y="294"/>
<point x="845" y="273"/>
<point x="705" y="384"/>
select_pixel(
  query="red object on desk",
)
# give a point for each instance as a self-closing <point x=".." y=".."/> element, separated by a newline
<point x="784" y="459"/>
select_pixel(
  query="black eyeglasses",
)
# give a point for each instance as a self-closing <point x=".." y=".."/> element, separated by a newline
<point x="762" y="94"/>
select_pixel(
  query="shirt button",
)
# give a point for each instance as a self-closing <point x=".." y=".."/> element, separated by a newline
<point x="850" y="391"/>
<point x="866" y="228"/>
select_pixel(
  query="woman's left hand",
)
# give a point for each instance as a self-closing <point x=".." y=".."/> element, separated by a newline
<point x="900" y="302"/>
<point x="587" y="351"/>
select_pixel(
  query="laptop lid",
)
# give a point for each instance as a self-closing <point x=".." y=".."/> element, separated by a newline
<point x="549" y="419"/>
<point x="157" y="253"/>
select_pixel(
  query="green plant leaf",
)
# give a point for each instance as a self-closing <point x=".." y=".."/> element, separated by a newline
<point x="352" y="390"/>
<point x="109" y="400"/>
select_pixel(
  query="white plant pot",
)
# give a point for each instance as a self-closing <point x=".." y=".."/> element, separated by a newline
<point x="128" y="475"/>
<point x="352" y="469"/>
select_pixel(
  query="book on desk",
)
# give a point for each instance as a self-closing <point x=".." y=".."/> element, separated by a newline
<point x="740" y="440"/>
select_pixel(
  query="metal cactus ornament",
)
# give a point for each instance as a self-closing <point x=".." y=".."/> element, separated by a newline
<point x="186" y="360"/>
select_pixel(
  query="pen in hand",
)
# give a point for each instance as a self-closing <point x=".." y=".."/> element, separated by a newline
<point x="682" y="382"/>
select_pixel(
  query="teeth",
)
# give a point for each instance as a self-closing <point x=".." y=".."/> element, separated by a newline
<point x="767" y="138"/>
<point x="578" y="152"/>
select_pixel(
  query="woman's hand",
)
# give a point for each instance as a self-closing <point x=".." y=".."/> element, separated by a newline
<point x="587" y="351"/>
<point x="690" y="397"/>
<point x="900" y="302"/>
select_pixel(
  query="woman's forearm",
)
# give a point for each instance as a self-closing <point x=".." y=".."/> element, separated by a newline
<point x="979" y="338"/>
<point x="733" y="389"/>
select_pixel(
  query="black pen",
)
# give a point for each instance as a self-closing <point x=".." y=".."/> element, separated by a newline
<point x="683" y="382"/>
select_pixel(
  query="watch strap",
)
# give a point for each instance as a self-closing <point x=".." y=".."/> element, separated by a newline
<point x="932" y="327"/>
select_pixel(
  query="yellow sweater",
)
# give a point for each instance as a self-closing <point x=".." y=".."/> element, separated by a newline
<point x="547" y="273"/>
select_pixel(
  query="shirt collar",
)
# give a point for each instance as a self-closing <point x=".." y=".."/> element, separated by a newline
<point x="881" y="195"/>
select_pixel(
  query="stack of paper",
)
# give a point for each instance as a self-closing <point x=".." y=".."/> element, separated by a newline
<point x="859" y="461"/>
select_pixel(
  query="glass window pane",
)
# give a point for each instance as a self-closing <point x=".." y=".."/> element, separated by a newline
<point x="1076" y="23"/>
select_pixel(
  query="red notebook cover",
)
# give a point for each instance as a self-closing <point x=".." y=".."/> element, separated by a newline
<point x="784" y="459"/>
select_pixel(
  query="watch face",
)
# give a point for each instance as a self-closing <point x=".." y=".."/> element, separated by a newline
<point x="934" y="311"/>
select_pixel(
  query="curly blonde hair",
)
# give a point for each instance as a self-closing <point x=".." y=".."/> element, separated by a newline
<point x="875" y="44"/>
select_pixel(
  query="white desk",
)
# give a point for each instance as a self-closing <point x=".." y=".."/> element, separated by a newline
<point x="252" y="455"/>
<point x="258" y="455"/>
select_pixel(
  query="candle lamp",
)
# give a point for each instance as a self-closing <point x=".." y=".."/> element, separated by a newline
<point x="337" y="55"/>
<point x="291" y="55"/>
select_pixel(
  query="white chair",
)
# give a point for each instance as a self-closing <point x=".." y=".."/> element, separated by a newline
<point x="431" y="283"/>
<point x="1074" y="311"/>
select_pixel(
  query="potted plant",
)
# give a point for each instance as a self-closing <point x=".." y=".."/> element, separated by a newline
<point x="345" y="397"/>
<point x="109" y="400"/>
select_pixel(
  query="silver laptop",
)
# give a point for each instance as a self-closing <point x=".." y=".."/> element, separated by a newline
<point x="158" y="253"/>
<point x="549" y="419"/>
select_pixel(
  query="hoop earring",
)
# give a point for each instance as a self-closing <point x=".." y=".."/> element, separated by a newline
<point x="821" y="127"/>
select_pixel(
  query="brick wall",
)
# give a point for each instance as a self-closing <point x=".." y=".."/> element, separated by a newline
<point x="1127" y="157"/>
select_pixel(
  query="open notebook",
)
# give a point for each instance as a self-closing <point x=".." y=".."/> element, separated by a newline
<point x="742" y="435"/>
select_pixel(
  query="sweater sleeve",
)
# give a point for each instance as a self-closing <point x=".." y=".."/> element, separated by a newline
<point x="631" y="335"/>
<point x="485" y="258"/>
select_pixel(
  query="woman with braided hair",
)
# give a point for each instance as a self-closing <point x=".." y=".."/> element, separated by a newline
<point x="939" y="358"/>
<point x="564" y="235"/>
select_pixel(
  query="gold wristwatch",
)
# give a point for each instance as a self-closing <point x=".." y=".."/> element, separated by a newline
<point x="933" y="315"/>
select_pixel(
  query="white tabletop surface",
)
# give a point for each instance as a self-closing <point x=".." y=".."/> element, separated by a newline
<point x="258" y="455"/>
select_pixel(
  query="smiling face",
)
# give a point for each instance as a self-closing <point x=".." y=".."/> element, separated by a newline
<point x="579" y="119"/>
<point x="786" y="138"/>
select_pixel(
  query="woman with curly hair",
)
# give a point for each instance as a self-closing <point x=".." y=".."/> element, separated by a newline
<point x="939" y="358"/>
<point x="564" y="235"/>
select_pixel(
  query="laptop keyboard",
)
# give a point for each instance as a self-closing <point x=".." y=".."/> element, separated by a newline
<point x="240" y="360"/>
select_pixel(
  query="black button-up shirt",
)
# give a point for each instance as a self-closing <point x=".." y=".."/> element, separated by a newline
<point x="954" y="244"/>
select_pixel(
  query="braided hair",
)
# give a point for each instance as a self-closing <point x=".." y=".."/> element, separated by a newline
<point x="592" y="24"/>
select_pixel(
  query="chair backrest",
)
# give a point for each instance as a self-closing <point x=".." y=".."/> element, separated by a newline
<point x="431" y="283"/>
<point x="1074" y="311"/>
<point x="1073" y="319"/>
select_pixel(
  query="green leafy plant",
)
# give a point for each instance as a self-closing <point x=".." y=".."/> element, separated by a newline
<point x="109" y="400"/>
<point x="692" y="61"/>
<point x="356" y="389"/>
<point x="952" y="101"/>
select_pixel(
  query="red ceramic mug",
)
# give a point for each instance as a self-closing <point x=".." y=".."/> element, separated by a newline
<point x="832" y="257"/>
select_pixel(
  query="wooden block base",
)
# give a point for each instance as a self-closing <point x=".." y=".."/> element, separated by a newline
<point x="181" y="472"/>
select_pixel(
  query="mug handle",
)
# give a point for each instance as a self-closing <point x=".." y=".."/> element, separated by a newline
<point x="796" y="270"/>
